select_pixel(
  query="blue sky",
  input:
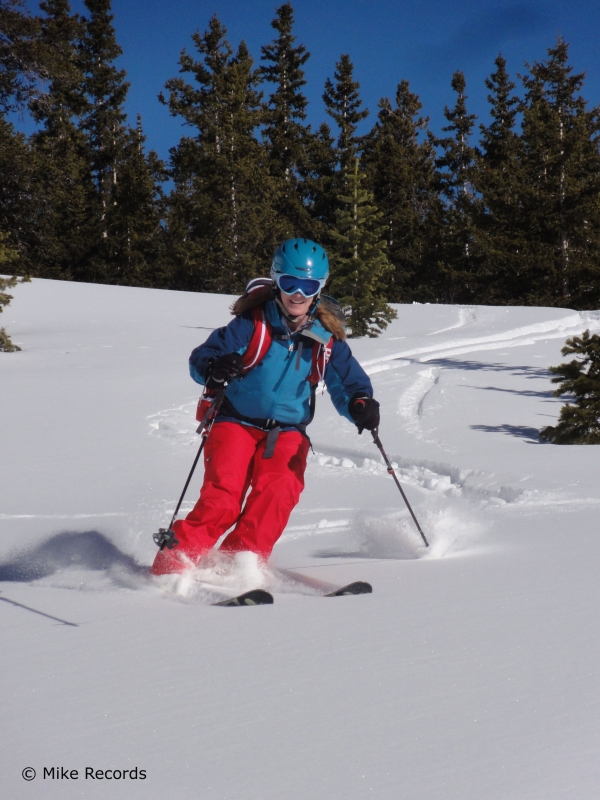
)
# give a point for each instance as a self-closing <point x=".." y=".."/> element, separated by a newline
<point x="387" y="40"/>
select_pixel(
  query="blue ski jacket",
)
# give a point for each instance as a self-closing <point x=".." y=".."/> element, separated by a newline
<point x="277" y="388"/>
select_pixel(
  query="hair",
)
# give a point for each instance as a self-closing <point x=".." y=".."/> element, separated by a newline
<point x="328" y="311"/>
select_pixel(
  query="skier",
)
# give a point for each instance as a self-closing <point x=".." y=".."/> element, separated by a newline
<point x="284" y="337"/>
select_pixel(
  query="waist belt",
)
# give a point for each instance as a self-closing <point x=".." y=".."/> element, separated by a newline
<point x="273" y="426"/>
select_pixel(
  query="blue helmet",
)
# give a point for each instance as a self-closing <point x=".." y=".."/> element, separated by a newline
<point x="302" y="259"/>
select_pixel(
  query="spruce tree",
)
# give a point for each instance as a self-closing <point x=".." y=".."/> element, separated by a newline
<point x="360" y="266"/>
<point x="459" y="257"/>
<point x="22" y="65"/>
<point x="61" y="174"/>
<point x="288" y="139"/>
<point x="320" y="182"/>
<point x="342" y="103"/>
<point x="499" y="181"/>
<point x="400" y="168"/>
<point x="134" y="230"/>
<point x="8" y="258"/>
<point x="22" y="72"/>
<point x="561" y="205"/>
<point x="17" y="212"/>
<point x="579" y="423"/>
<point x="123" y="230"/>
<point x="222" y="221"/>
<point x="106" y="90"/>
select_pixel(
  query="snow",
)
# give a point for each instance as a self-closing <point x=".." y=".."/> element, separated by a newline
<point x="470" y="672"/>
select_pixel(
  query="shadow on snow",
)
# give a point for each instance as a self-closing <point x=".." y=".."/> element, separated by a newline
<point x="88" y="550"/>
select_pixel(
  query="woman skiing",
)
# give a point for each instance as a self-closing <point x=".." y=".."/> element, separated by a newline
<point x="283" y="339"/>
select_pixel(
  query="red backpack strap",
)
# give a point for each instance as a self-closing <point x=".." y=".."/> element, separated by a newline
<point x="261" y="340"/>
<point x="320" y="357"/>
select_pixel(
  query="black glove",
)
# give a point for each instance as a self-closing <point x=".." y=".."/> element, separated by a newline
<point x="364" y="410"/>
<point x="223" y="370"/>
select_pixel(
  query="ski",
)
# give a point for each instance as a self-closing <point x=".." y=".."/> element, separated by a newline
<point x="358" y="587"/>
<point x="327" y="589"/>
<point x="255" y="597"/>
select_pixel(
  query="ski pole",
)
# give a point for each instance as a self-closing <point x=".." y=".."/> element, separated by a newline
<point x="392" y="472"/>
<point x="165" y="536"/>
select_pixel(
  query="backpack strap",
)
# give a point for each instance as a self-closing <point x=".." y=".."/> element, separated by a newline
<point x="320" y="358"/>
<point x="262" y="338"/>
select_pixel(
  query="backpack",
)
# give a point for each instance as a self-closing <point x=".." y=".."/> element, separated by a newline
<point x="260" y="342"/>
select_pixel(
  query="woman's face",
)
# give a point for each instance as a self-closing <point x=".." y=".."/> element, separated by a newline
<point x="296" y="304"/>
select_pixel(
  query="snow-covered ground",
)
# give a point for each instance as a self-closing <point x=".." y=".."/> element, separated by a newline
<point x="472" y="671"/>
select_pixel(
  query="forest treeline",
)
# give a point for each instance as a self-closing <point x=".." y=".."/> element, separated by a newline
<point x="502" y="213"/>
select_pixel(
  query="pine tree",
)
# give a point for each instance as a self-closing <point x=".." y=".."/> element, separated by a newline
<point x="499" y="180"/>
<point x="400" y="170"/>
<point x="22" y="71"/>
<point x="579" y="423"/>
<point x="222" y="221"/>
<point x="21" y="63"/>
<point x="342" y="103"/>
<point x="320" y="182"/>
<point x="288" y="140"/>
<point x="134" y="226"/>
<point x="106" y="91"/>
<point x="125" y="219"/>
<point x="561" y="206"/>
<point x="458" y="264"/>
<point x="17" y="216"/>
<point x="61" y="174"/>
<point x="8" y="257"/>
<point x="359" y="264"/>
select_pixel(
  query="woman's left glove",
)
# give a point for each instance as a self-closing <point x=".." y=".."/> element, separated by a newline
<point x="223" y="370"/>
<point x="364" y="410"/>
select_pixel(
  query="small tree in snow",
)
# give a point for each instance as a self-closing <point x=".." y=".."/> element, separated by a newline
<point x="7" y="256"/>
<point x="359" y="262"/>
<point x="578" y="423"/>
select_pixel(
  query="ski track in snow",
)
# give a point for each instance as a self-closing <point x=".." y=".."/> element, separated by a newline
<point x="529" y="334"/>
<point x="466" y="316"/>
<point x="410" y="405"/>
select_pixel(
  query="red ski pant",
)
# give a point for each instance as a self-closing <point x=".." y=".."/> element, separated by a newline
<point x="234" y="464"/>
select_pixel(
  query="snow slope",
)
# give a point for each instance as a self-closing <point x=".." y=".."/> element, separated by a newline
<point x="470" y="672"/>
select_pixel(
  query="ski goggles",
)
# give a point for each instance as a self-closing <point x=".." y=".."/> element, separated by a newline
<point x="289" y="284"/>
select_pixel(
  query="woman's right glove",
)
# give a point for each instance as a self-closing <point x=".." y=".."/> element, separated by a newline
<point x="364" y="410"/>
<point x="223" y="370"/>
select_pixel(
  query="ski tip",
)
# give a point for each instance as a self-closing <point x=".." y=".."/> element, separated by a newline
<point x="358" y="587"/>
<point x="256" y="597"/>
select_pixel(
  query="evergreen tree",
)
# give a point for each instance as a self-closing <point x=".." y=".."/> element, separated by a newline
<point x="222" y="221"/>
<point x="134" y="230"/>
<point x="118" y="223"/>
<point x="61" y="170"/>
<point x="22" y="71"/>
<point x="288" y="139"/>
<point x="360" y="265"/>
<point x="21" y="63"/>
<point x="400" y="170"/>
<point x="561" y="204"/>
<point x="8" y="257"/>
<point x="578" y="423"/>
<point x="16" y="201"/>
<point x="342" y="103"/>
<point x="459" y="260"/>
<point x="499" y="180"/>
<point x="320" y="182"/>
